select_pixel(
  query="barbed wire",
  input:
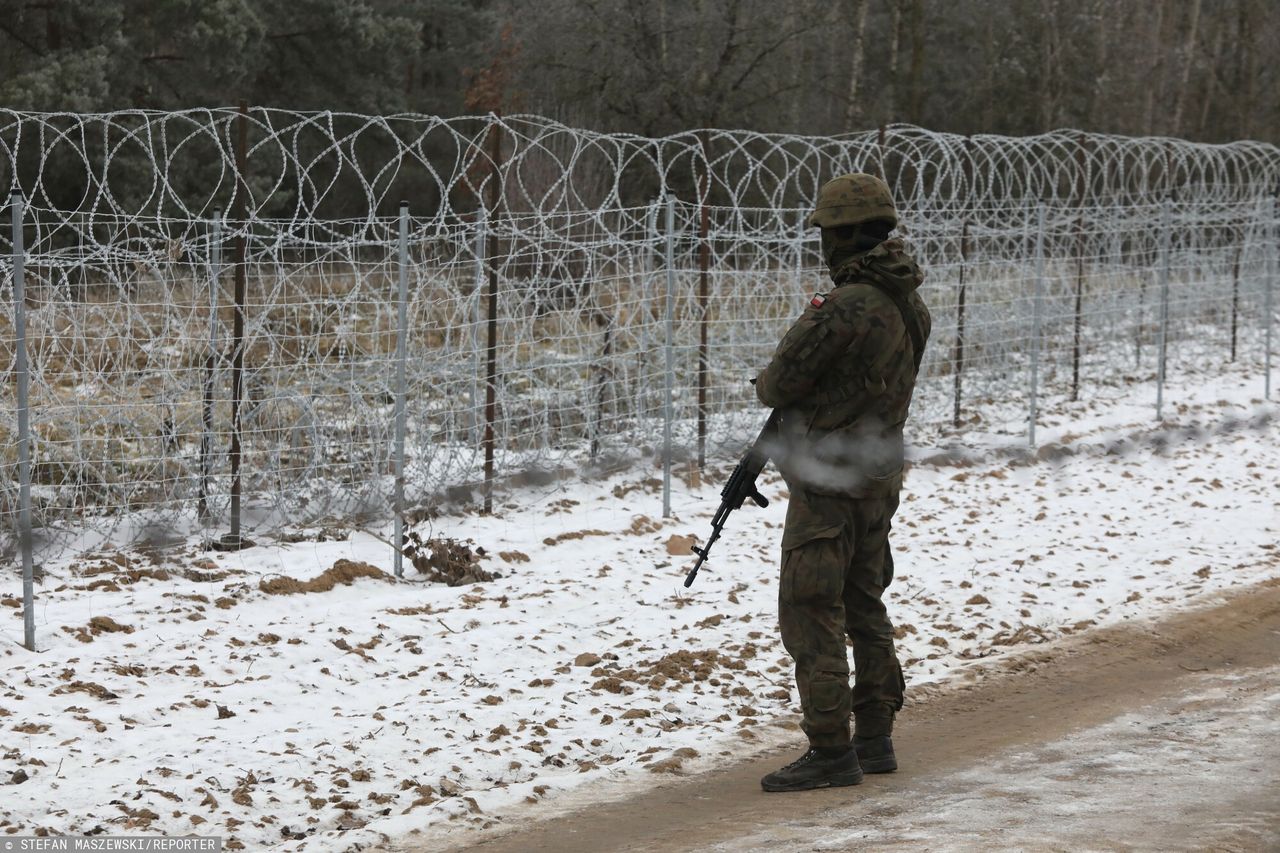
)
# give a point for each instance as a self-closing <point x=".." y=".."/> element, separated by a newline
<point x="1153" y="251"/>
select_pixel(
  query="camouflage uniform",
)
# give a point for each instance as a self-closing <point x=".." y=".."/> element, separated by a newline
<point x="843" y="376"/>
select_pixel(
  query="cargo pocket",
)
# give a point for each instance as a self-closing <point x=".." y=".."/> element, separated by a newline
<point x="829" y="694"/>
<point x="827" y="691"/>
<point x="813" y="564"/>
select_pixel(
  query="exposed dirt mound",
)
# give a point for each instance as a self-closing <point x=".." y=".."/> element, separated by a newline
<point x="446" y="561"/>
<point x="681" y="546"/>
<point x="98" y="625"/>
<point x="343" y="572"/>
<point x="95" y="690"/>
<point x="107" y="625"/>
<point x="120" y="568"/>
<point x="572" y="535"/>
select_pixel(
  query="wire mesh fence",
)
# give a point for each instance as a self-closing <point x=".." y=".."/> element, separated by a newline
<point x="542" y="337"/>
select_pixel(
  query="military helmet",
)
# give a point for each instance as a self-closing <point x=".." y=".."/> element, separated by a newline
<point x="851" y="200"/>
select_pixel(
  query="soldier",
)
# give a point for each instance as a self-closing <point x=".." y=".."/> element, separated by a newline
<point x="843" y="376"/>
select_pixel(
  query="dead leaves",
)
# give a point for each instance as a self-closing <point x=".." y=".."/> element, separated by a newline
<point x="447" y="561"/>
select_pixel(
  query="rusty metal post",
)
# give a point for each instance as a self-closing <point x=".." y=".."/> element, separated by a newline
<point x="204" y="513"/>
<point x="402" y="349"/>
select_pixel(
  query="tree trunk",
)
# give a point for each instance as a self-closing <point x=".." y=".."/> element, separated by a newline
<point x="892" y="87"/>
<point x="1047" y="29"/>
<point x="1101" y="42"/>
<point x="1213" y="84"/>
<point x="989" y="57"/>
<point x="917" y="62"/>
<point x="662" y="37"/>
<point x="799" y="67"/>
<point x="1248" y="69"/>
<point x="1188" y="60"/>
<point x="1155" y="72"/>
<point x="853" y="110"/>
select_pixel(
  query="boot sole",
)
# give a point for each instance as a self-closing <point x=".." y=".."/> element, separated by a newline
<point x="879" y="765"/>
<point x="838" y="781"/>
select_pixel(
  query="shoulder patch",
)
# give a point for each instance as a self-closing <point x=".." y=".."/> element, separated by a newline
<point x="818" y="300"/>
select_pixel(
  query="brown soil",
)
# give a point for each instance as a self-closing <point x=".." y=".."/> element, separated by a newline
<point x="342" y="572"/>
<point x="1017" y="702"/>
<point x="573" y="535"/>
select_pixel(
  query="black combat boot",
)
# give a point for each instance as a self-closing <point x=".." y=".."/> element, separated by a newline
<point x="820" y="767"/>
<point x="875" y="754"/>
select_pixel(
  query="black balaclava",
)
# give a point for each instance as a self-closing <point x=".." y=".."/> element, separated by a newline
<point x="840" y="245"/>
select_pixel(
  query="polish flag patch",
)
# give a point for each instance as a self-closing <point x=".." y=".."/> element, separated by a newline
<point x="818" y="300"/>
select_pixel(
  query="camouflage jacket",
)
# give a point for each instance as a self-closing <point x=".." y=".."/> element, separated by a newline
<point x="843" y="376"/>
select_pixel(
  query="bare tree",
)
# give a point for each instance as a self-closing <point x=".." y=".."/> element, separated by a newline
<point x="916" y="85"/>
<point x="1188" y="61"/>
<point x="853" y="109"/>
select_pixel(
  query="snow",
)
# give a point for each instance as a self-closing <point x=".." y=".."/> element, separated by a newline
<point x="380" y="710"/>
<point x="1193" y="772"/>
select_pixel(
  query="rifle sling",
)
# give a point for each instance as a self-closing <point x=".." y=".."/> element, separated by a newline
<point x="909" y="318"/>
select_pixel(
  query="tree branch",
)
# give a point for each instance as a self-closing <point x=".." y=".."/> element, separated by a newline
<point x="291" y="35"/>
<point x="4" y="28"/>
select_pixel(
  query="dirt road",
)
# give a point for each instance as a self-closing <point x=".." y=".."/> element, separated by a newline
<point x="1152" y="736"/>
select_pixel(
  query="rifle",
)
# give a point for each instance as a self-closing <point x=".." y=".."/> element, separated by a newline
<point x="741" y="485"/>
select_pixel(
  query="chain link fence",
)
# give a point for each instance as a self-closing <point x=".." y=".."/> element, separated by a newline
<point x="212" y="309"/>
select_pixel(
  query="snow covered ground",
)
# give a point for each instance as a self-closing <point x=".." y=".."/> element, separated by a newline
<point x="185" y="691"/>
<point x="1190" y="773"/>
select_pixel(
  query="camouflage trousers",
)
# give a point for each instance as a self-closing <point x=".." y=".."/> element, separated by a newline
<point x="835" y="567"/>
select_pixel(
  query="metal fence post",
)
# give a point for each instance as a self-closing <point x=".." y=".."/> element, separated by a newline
<point x="480" y="238"/>
<point x="491" y="373"/>
<point x="704" y="305"/>
<point x="646" y="283"/>
<point x="24" y="425"/>
<point x="1035" y="325"/>
<point x="669" y="376"/>
<point x="234" y="541"/>
<point x="1165" y="226"/>
<point x="1081" y="182"/>
<point x="1268" y="297"/>
<point x="402" y="333"/>
<point x="1235" y="295"/>
<point x="958" y="353"/>
<point x="210" y="369"/>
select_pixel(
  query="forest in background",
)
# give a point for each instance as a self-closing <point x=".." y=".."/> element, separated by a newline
<point x="1188" y="68"/>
